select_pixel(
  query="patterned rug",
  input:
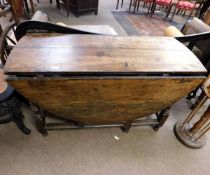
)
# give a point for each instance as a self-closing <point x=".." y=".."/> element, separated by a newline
<point x="141" y="24"/>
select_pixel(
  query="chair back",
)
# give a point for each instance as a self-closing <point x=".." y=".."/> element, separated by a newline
<point x="199" y="44"/>
<point x="206" y="18"/>
<point x="17" y="9"/>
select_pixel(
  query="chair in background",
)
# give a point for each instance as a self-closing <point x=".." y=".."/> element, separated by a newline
<point x="118" y="1"/>
<point x="134" y="3"/>
<point x="199" y="5"/>
<point x="10" y="106"/>
<point x="205" y="6"/>
<point x="4" y="8"/>
<point x="146" y="2"/>
<point x="185" y="5"/>
<point x="162" y="3"/>
<point x="79" y="6"/>
<point x="122" y="2"/>
<point x="195" y="34"/>
<point x="21" y="8"/>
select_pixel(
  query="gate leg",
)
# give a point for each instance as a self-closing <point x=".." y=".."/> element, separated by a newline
<point x="161" y="117"/>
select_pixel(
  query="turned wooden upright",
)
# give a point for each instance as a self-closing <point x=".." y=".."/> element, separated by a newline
<point x="194" y="136"/>
<point x="204" y="122"/>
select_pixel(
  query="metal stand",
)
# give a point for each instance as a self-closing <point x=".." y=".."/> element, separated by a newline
<point x="193" y="135"/>
<point x="40" y="117"/>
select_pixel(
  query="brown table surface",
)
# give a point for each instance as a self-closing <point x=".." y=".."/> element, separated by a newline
<point x="72" y="54"/>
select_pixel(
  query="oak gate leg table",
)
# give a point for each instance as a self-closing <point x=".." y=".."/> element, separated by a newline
<point x="97" y="81"/>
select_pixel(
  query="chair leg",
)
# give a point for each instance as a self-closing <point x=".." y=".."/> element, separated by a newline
<point x="67" y="9"/>
<point x="190" y="15"/>
<point x="178" y="11"/>
<point x="135" y="5"/>
<point x="131" y="2"/>
<point x="58" y="5"/>
<point x="153" y="10"/>
<point x="32" y="6"/>
<point x="149" y="8"/>
<point x="173" y="14"/>
<point x="184" y="13"/>
<point x="168" y="12"/>
<point x="122" y="3"/>
<point x="138" y="5"/>
<point x="117" y="4"/>
<point x="50" y="1"/>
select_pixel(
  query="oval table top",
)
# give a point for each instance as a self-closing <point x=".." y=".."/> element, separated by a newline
<point x="108" y="55"/>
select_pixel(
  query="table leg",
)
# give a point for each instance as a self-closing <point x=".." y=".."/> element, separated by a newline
<point x="161" y="117"/>
<point x="131" y="2"/>
<point x="127" y="126"/>
<point x="40" y="116"/>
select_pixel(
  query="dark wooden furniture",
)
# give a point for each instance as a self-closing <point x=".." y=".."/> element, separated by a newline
<point x="4" y="8"/>
<point x="7" y="42"/>
<point x="197" y="39"/>
<point x="193" y="135"/>
<point x="184" y="5"/>
<point x="21" y="8"/>
<point x="80" y="6"/>
<point x="10" y="106"/>
<point x="92" y="79"/>
<point x="118" y="1"/>
<point x="195" y="34"/>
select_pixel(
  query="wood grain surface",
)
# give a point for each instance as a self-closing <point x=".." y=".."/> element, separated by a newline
<point x="124" y="95"/>
<point x="72" y="54"/>
<point x="104" y="99"/>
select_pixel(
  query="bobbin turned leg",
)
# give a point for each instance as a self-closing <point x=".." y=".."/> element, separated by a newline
<point x="161" y="117"/>
<point x="127" y="126"/>
<point x="40" y="116"/>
